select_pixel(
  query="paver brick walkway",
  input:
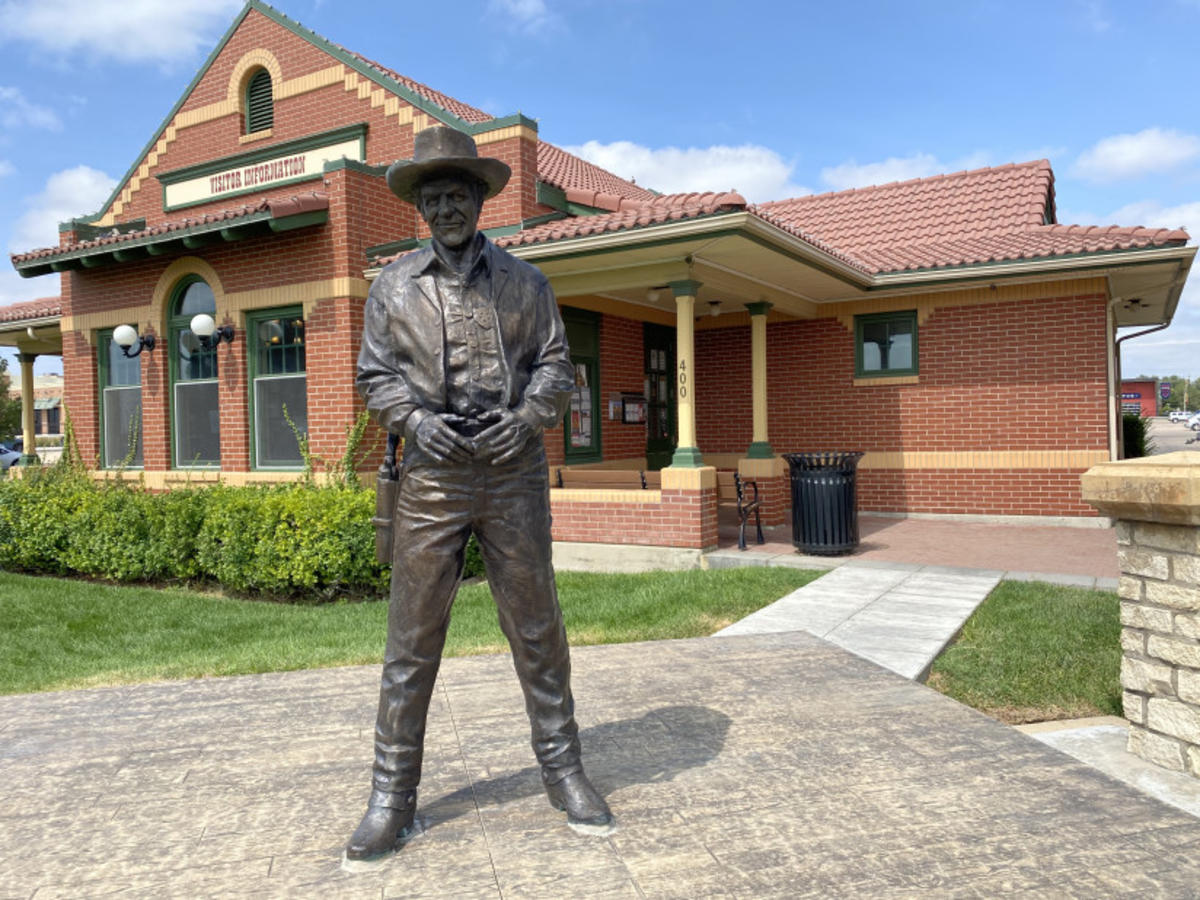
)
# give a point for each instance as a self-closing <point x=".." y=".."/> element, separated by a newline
<point x="770" y="765"/>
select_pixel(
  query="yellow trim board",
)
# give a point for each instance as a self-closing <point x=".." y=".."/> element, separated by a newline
<point x="984" y="459"/>
<point x="620" y="497"/>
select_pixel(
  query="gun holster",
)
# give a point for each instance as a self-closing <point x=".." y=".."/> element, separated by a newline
<point x="387" y="486"/>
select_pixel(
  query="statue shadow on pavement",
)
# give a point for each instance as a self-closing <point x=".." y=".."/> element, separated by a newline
<point x="652" y="748"/>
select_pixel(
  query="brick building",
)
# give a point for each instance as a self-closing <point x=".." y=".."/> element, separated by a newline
<point x="942" y="325"/>
<point x="1140" y="397"/>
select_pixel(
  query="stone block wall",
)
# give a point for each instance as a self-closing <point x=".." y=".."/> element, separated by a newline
<point x="1156" y="504"/>
<point x="1160" y="637"/>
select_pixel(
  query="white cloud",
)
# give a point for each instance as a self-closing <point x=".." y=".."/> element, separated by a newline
<point x="72" y="192"/>
<point x="529" y="16"/>
<point x="17" y="112"/>
<point x="854" y="175"/>
<point x="1152" y="214"/>
<point x="758" y="173"/>
<point x="1134" y="155"/>
<point x="166" y="32"/>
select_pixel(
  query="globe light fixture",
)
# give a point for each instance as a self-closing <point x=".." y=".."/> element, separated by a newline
<point x="208" y="332"/>
<point x="126" y="337"/>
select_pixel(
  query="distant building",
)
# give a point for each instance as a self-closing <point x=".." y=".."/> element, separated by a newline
<point x="47" y="402"/>
<point x="1140" y="397"/>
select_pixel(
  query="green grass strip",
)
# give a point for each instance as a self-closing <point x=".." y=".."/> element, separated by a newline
<point x="59" y="634"/>
<point x="1036" y="652"/>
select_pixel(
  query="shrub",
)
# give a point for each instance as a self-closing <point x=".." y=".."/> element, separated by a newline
<point x="295" y="541"/>
<point x="1137" y="438"/>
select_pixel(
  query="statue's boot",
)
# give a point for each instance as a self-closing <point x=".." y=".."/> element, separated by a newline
<point x="586" y="810"/>
<point x="386" y="826"/>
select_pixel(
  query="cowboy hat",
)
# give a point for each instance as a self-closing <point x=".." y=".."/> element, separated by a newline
<point x="441" y="150"/>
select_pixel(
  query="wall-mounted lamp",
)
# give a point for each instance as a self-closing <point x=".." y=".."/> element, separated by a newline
<point x="126" y="336"/>
<point x="714" y="307"/>
<point x="206" y="330"/>
<point x="652" y="295"/>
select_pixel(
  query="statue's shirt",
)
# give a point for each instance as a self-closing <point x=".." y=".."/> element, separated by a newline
<point x="475" y="380"/>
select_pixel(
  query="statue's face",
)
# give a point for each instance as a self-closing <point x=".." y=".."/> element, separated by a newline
<point x="450" y="207"/>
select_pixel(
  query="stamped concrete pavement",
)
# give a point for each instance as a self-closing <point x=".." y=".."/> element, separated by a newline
<point x="763" y="765"/>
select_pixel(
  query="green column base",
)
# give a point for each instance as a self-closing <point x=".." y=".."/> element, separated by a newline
<point x="687" y="458"/>
<point x="29" y="459"/>
<point x="760" y="450"/>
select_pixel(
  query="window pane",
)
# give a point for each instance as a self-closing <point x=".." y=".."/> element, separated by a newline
<point x="197" y="298"/>
<point x="276" y="444"/>
<point x="197" y="425"/>
<point x="122" y="369"/>
<point x="122" y="425"/>
<point x="900" y="354"/>
<point x="280" y="346"/>
<point x="875" y="340"/>
<point x="195" y="362"/>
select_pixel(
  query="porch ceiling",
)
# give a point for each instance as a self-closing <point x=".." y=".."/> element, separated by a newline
<point x="41" y="336"/>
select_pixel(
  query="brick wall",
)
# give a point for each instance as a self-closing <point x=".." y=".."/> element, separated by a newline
<point x="1017" y="375"/>
<point x="667" y="518"/>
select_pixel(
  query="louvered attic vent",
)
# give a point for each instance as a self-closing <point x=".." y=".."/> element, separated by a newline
<point x="260" y="103"/>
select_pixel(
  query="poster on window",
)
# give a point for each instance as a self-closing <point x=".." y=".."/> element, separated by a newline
<point x="581" y="416"/>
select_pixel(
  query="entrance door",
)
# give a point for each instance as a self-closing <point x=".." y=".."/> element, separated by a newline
<point x="659" y="343"/>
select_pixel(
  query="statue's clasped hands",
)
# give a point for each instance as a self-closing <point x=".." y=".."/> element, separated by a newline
<point x="500" y="441"/>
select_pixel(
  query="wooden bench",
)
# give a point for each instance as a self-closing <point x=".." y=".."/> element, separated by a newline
<point x="613" y="479"/>
<point x="731" y="492"/>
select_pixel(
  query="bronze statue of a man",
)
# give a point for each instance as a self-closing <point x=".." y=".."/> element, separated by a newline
<point x="464" y="354"/>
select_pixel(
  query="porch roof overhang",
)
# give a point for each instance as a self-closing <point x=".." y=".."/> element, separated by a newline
<point x="267" y="218"/>
<point x="32" y="326"/>
<point x="740" y="258"/>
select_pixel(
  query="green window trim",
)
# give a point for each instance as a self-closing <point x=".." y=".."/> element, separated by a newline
<point x="131" y="458"/>
<point x="583" y="415"/>
<point x="885" y="344"/>
<point x="287" y="361"/>
<point x="206" y="361"/>
<point x="260" y="102"/>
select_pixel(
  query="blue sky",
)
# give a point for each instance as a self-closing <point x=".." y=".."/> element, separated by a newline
<point x="772" y="98"/>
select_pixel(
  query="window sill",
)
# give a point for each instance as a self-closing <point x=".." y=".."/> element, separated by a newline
<point x="885" y="380"/>
<point x="255" y="136"/>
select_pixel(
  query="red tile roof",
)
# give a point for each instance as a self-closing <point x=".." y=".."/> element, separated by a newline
<point x="661" y="209"/>
<point x="278" y="208"/>
<point x="586" y="183"/>
<point x="29" y="310"/>
<point x="456" y="107"/>
<point x="984" y="215"/>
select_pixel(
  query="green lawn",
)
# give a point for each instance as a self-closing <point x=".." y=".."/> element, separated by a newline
<point x="58" y="634"/>
<point x="1035" y="652"/>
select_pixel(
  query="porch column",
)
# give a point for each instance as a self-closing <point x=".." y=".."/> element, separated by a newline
<point x="687" y="454"/>
<point x="760" y="446"/>
<point x="29" y="456"/>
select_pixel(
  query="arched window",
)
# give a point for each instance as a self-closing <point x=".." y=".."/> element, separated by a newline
<point x="260" y="102"/>
<point x="195" y="408"/>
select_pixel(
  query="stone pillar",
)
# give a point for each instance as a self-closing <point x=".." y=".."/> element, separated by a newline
<point x="760" y="446"/>
<point x="687" y="454"/>
<point x="29" y="455"/>
<point x="1156" y="502"/>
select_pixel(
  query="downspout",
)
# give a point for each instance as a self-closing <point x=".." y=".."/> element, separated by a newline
<point x="1117" y="356"/>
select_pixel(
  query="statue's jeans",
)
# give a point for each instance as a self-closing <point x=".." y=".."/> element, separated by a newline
<point x="507" y="507"/>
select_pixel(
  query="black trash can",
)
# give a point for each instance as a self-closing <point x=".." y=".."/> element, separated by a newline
<point x="824" y="502"/>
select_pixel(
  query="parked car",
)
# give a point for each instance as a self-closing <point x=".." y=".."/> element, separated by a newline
<point x="8" y="456"/>
<point x="1180" y="415"/>
<point x="1194" y="422"/>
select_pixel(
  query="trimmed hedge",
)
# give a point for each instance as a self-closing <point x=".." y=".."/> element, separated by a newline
<point x="293" y="541"/>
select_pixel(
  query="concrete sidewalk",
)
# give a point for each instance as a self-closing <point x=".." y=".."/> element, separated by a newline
<point x="899" y="615"/>
<point x="771" y="765"/>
